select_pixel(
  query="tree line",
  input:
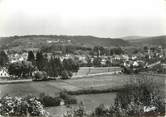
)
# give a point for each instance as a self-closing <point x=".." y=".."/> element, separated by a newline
<point x="71" y="49"/>
<point x="54" y="67"/>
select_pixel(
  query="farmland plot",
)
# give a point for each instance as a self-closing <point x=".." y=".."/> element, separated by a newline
<point x="94" y="70"/>
<point x="54" y="87"/>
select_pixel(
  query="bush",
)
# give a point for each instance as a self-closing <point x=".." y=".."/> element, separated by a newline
<point x="93" y="91"/>
<point x="67" y="98"/>
<point x="66" y="74"/>
<point x="49" y="101"/>
<point x="80" y="112"/>
<point x="141" y="93"/>
<point x="101" y="111"/>
<point x="141" y="97"/>
<point x="21" y="106"/>
<point x="158" y="69"/>
<point x="40" y="76"/>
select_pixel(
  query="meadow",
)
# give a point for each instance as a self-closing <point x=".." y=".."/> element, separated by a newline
<point x="55" y="86"/>
<point x="100" y="82"/>
<point x="94" y="70"/>
<point x="90" y="101"/>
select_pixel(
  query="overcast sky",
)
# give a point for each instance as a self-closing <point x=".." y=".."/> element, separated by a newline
<point x="103" y="18"/>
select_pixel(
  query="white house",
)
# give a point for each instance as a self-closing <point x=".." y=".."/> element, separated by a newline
<point x="125" y="57"/>
<point x="135" y="64"/>
<point x="18" y="57"/>
<point x="103" y="61"/>
<point x="4" y="72"/>
<point x="82" y="58"/>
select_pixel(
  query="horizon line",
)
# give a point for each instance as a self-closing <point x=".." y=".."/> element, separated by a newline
<point x="84" y="35"/>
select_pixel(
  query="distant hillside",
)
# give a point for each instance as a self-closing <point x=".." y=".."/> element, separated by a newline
<point x="132" y="37"/>
<point x="149" y="41"/>
<point x="37" y="41"/>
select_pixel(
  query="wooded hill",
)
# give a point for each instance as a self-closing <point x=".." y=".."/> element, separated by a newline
<point x="37" y="41"/>
<point x="147" y="41"/>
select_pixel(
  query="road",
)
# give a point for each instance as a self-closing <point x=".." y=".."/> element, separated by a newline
<point x="74" y="77"/>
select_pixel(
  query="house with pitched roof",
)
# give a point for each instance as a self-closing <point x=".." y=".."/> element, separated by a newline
<point x="4" y="72"/>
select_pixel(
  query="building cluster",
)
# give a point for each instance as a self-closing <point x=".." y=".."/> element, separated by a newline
<point x="18" y="57"/>
<point x="140" y="58"/>
<point x="14" y="57"/>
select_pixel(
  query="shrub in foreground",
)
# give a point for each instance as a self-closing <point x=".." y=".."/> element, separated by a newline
<point x="49" y="101"/>
<point x="21" y="106"/>
<point x="140" y="98"/>
<point x="68" y="99"/>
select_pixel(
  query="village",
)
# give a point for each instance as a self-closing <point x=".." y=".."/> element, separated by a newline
<point x="82" y="58"/>
<point x="60" y="82"/>
<point x="148" y="58"/>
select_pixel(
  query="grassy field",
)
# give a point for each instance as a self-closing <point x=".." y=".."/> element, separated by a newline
<point x="94" y="70"/>
<point x="54" y="87"/>
<point x="90" y="101"/>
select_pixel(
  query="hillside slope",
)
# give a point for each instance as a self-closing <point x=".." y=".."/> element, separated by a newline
<point x="37" y="41"/>
<point x="150" y="41"/>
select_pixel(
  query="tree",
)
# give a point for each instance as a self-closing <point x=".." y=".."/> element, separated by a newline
<point x="63" y="69"/>
<point x="54" y="67"/>
<point x="66" y="74"/>
<point x="108" y="63"/>
<point x="117" y="51"/>
<point x="145" y="48"/>
<point x="89" y="63"/>
<point x="39" y="75"/>
<point x="3" y="59"/>
<point x="15" y="69"/>
<point x="21" y="69"/>
<point x="31" y="57"/>
<point x="97" y="62"/>
<point x="41" y="61"/>
<point x="97" y="50"/>
<point x="70" y="65"/>
<point x="27" y="68"/>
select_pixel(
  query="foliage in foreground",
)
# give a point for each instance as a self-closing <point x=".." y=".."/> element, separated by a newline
<point x="21" y="106"/>
<point x="49" y="101"/>
<point x="68" y="99"/>
<point x="141" y="97"/>
<point x="32" y="106"/>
